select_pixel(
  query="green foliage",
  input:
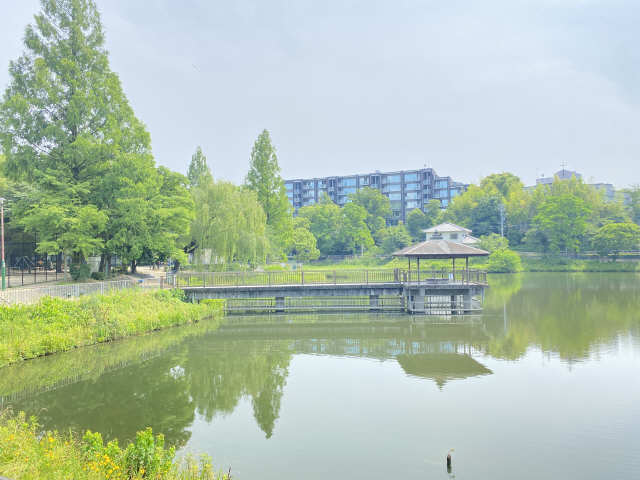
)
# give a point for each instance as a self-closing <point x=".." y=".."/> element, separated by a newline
<point x="394" y="238"/>
<point x="377" y="206"/>
<point x="504" y="260"/>
<point x="338" y="231"/>
<point x="617" y="237"/>
<point x="230" y="224"/>
<point x="100" y="276"/>
<point x="68" y="131"/>
<point x="26" y="452"/>
<point x="493" y="242"/>
<point x="631" y="197"/>
<point x="80" y="272"/>
<point x="562" y="220"/>
<point x="55" y="325"/>
<point x="264" y="179"/>
<point x="418" y="221"/>
<point x="303" y="246"/>
<point x="199" y="172"/>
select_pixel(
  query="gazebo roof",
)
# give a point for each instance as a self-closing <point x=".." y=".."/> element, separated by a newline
<point x="440" y="249"/>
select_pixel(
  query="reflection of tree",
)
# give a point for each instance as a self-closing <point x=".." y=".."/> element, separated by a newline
<point x="571" y="314"/>
<point x="221" y="373"/>
<point x="501" y="289"/>
<point x="121" y="402"/>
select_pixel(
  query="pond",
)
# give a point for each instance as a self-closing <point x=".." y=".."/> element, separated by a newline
<point x="544" y="384"/>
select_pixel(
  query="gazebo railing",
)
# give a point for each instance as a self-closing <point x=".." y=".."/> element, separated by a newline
<point x="324" y="277"/>
<point x="445" y="276"/>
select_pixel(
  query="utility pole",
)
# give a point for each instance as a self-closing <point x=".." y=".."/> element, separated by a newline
<point x="4" y="284"/>
<point x="502" y="219"/>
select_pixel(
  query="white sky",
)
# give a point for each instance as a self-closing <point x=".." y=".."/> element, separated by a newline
<point x="466" y="87"/>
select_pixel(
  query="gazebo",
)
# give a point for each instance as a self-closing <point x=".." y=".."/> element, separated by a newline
<point x="439" y="250"/>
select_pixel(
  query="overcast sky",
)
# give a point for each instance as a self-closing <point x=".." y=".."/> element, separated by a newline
<point x="466" y="87"/>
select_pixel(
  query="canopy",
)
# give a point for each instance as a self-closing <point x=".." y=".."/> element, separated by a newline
<point x="439" y="249"/>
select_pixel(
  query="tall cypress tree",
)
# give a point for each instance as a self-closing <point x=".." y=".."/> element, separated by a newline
<point x="67" y="128"/>
<point x="264" y="179"/>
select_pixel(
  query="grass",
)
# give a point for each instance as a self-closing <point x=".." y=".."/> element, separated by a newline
<point x="27" y="453"/>
<point x="56" y="325"/>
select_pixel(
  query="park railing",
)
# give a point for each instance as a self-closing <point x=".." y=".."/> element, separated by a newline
<point x="322" y="277"/>
<point x="13" y="296"/>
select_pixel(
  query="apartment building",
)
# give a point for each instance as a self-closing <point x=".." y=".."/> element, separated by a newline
<point x="406" y="189"/>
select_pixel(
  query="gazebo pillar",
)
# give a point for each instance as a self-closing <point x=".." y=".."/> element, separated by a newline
<point x="418" y="269"/>
<point x="453" y="268"/>
<point x="467" y="267"/>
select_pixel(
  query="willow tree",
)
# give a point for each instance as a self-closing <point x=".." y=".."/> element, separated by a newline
<point x="229" y="225"/>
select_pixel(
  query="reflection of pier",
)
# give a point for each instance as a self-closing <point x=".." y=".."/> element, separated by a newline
<point x="440" y="352"/>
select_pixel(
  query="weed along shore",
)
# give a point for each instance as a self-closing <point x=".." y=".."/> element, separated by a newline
<point x="27" y="452"/>
<point x="56" y="325"/>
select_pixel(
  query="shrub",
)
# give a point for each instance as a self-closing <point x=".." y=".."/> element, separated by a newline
<point x="504" y="260"/>
<point x="80" y="272"/>
<point x="98" y="276"/>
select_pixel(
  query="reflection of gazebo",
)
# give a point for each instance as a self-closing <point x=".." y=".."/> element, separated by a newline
<point x="440" y="249"/>
<point x="442" y="367"/>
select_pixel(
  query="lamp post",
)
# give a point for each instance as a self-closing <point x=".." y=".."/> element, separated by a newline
<point x="4" y="284"/>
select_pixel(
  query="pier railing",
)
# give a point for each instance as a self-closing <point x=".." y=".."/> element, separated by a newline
<point x="325" y="277"/>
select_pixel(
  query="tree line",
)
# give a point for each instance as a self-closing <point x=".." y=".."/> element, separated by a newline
<point x="79" y="174"/>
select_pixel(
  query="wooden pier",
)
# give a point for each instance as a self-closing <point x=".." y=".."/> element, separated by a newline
<point x="437" y="292"/>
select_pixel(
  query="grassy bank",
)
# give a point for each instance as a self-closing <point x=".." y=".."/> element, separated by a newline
<point x="57" y="325"/>
<point x="26" y="453"/>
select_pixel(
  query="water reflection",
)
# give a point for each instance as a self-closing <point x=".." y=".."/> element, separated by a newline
<point x="164" y="380"/>
<point x="573" y="316"/>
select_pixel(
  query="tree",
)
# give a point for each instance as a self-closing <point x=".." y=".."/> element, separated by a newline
<point x="633" y="196"/>
<point x="504" y="260"/>
<point x="324" y="222"/>
<point x="229" y="224"/>
<point x="614" y="238"/>
<point x="198" y="171"/>
<point x="338" y="231"/>
<point x="395" y="237"/>
<point x="493" y="242"/>
<point x="265" y="180"/>
<point x="66" y="128"/>
<point x="562" y="219"/>
<point x="377" y="206"/>
<point x="303" y="245"/>
<point x="418" y="221"/>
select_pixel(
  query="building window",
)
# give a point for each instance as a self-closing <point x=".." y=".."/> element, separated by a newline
<point x="453" y="236"/>
<point x="394" y="196"/>
<point x="411" y="177"/>
<point x="393" y="179"/>
<point x="412" y="204"/>
<point x="348" y="182"/>
<point x="412" y="186"/>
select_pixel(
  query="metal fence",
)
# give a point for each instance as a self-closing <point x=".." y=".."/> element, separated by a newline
<point x="32" y="295"/>
<point x="322" y="277"/>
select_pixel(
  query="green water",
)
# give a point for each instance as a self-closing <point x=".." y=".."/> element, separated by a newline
<point x="544" y="384"/>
